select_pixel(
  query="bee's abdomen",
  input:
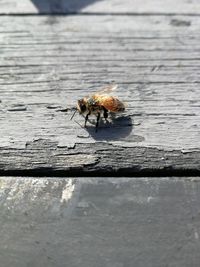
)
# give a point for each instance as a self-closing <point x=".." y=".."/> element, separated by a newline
<point x="112" y="104"/>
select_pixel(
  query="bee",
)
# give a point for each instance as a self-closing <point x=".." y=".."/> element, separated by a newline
<point x="100" y="103"/>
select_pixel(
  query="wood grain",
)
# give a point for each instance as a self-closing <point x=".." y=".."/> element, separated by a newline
<point x="99" y="222"/>
<point x="151" y="50"/>
<point x="47" y="63"/>
<point x="100" y="7"/>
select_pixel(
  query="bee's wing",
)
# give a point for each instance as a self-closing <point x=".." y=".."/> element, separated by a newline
<point x="107" y="89"/>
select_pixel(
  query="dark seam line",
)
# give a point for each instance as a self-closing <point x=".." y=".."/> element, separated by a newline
<point x="166" y="172"/>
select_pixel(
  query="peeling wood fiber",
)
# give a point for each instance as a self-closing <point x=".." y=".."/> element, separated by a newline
<point x="101" y="158"/>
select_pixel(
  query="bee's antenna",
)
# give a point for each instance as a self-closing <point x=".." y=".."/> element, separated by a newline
<point x="73" y="114"/>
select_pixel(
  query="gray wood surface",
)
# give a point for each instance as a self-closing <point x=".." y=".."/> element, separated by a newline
<point x="100" y="6"/>
<point x="47" y="63"/>
<point x="110" y="222"/>
<point x="151" y="50"/>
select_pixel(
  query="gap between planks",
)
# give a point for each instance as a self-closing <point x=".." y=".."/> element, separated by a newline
<point x="126" y="173"/>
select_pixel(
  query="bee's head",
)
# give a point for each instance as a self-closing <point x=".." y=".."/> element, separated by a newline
<point x="81" y="105"/>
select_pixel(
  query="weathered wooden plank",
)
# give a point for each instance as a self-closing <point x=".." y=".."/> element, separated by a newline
<point x="100" y="222"/>
<point x="45" y="67"/>
<point x="99" y="6"/>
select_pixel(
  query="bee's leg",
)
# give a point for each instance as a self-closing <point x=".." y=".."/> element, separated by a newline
<point x="86" y="118"/>
<point x="105" y="113"/>
<point x="97" y="123"/>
